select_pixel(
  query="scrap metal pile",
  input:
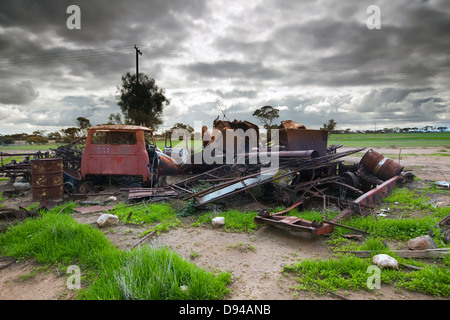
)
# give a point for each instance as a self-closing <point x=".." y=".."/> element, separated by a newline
<point x="307" y="170"/>
<point x="299" y="180"/>
<point x="14" y="169"/>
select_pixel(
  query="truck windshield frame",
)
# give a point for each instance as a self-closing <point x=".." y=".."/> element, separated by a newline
<point x="113" y="137"/>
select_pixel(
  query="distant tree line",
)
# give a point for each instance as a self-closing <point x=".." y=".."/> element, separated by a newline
<point x="40" y="137"/>
<point x="394" y="130"/>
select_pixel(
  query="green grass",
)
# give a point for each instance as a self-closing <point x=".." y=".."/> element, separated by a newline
<point x="399" y="140"/>
<point x="142" y="273"/>
<point x="55" y="238"/>
<point x="29" y="147"/>
<point x="147" y="273"/>
<point x="161" y="216"/>
<point x="235" y="220"/>
<point x="418" y="216"/>
<point x="352" y="273"/>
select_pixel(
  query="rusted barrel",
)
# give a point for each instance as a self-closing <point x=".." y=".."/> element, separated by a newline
<point x="380" y="166"/>
<point x="47" y="179"/>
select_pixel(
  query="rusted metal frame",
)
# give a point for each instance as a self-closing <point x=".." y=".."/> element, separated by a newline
<point x="444" y="221"/>
<point x="306" y="166"/>
<point x="304" y="227"/>
<point x="221" y="186"/>
<point x="198" y="176"/>
<point x="251" y="194"/>
<point x="373" y="196"/>
<point x="228" y="183"/>
<point x="174" y="186"/>
<point x="343" y="226"/>
<point x="215" y="188"/>
<point x="348" y="187"/>
<point x="288" y="209"/>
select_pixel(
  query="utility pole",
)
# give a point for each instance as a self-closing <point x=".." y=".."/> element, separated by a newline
<point x="138" y="52"/>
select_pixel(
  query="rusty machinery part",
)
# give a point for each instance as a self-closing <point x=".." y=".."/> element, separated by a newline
<point x="350" y="178"/>
<point x="379" y="165"/>
<point x="69" y="191"/>
<point x="47" y="178"/>
<point x="71" y="153"/>
<point x="284" y="195"/>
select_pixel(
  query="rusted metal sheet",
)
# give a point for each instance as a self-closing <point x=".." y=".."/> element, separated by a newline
<point x="252" y="140"/>
<point x="304" y="139"/>
<point x="375" y="195"/>
<point x="284" y="154"/>
<point x="379" y="165"/>
<point x="220" y="193"/>
<point x="137" y="193"/>
<point x="290" y="124"/>
<point x="302" y="227"/>
<point x="47" y="179"/>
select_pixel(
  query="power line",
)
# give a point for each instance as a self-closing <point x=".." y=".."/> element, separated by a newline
<point x="86" y="54"/>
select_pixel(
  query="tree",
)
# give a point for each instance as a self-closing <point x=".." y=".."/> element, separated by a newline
<point x="54" y="136"/>
<point x="182" y="126"/>
<point x="114" y="118"/>
<point x="141" y="102"/>
<point x="70" y="134"/>
<point x="36" y="139"/>
<point x="84" y="125"/>
<point x="266" y="115"/>
<point x="330" y="126"/>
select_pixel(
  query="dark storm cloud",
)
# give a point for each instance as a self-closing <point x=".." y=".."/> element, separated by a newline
<point x="101" y="20"/>
<point x="20" y="93"/>
<point x="232" y="69"/>
<point x="313" y="59"/>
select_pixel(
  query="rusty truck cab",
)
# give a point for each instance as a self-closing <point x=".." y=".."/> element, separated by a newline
<point x="119" y="150"/>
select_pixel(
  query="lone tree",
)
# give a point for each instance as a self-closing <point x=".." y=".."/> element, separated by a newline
<point x="330" y="126"/>
<point x="179" y="125"/>
<point x="141" y="102"/>
<point x="266" y="115"/>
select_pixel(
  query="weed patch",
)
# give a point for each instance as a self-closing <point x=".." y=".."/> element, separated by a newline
<point x="141" y="273"/>
<point x="147" y="273"/>
<point x="161" y="216"/>
<point x="235" y="220"/>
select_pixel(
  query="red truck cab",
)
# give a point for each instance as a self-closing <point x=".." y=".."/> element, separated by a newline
<point x="120" y="150"/>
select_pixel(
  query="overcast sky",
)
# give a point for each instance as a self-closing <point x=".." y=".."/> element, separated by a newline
<point x="313" y="60"/>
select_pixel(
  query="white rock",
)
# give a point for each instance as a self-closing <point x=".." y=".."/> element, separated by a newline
<point x="184" y="288"/>
<point x="218" y="221"/>
<point x="111" y="199"/>
<point x="107" y="220"/>
<point x="22" y="186"/>
<point x="385" y="261"/>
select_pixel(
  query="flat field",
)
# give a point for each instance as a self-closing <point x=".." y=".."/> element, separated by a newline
<point x="392" y="140"/>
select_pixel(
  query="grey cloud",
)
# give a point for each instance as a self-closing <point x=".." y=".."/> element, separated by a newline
<point x="232" y="94"/>
<point x="20" y="93"/>
<point x="232" y="69"/>
<point x="315" y="57"/>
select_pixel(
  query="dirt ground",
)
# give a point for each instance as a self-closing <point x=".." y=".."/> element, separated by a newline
<point x="255" y="260"/>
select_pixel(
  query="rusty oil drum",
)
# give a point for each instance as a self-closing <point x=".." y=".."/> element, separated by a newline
<point x="47" y="179"/>
<point x="380" y="166"/>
